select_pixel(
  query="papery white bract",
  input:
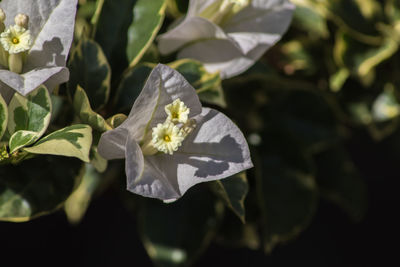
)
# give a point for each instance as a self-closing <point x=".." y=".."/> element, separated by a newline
<point x="209" y="146"/>
<point x="228" y="35"/>
<point x="51" y="26"/>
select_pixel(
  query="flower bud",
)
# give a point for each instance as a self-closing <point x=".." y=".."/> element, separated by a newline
<point x="22" y="20"/>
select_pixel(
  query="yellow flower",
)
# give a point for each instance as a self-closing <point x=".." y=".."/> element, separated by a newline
<point x="167" y="137"/>
<point x="16" y="39"/>
<point x="177" y="111"/>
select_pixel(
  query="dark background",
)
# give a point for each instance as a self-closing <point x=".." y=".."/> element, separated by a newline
<point x="107" y="236"/>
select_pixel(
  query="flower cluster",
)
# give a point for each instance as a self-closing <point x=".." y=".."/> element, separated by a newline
<point x="228" y="35"/>
<point x="34" y="44"/>
<point x="171" y="143"/>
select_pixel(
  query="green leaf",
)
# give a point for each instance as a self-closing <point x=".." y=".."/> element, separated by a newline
<point x="29" y="117"/>
<point x="86" y="114"/>
<point x="97" y="161"/>
<point x="113" y="23"/>
<point x="78" y="202"/>
<point x="3" y="116"/>
<point x="195" y="214"/>
<point x="207" y="85"/>
<point x="89" y="68"/>
<point x="233" y="191"/>
<point x="131" y="85"/>
<point x="71" y="141"/>
<point x="116" y="120"/>
<point x="147" y="20"/>
<point x="339" y="182"/>
<point x="36" y="187"/>
<point x="288" y="197"/>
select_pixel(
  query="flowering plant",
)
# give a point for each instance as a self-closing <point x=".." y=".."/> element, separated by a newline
<point x="200" y="122"/>
<point x="228" y="35"/>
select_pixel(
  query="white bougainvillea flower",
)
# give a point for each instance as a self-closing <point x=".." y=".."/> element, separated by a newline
<point x="43" y="31"/>
<point x="228" y="35"/>
<point x="165" y="157"/>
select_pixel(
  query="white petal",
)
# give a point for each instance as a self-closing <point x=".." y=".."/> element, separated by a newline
<point x="163" y="86"/>
<point x="267" y="17"/>
<point x="29" y="81"/>
<point x="216" y="149"/>
<point x="112" y="144"/>
<point x="53" y="41"/>
<point x="189" y="30"/>
<point x="144" y="177"/>
<point x="38" y="12"/>
<point x="222" y="55"/>
<point x="251" y="32"/>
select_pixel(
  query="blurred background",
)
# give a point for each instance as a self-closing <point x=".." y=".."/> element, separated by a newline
<point x="320" y="111"/>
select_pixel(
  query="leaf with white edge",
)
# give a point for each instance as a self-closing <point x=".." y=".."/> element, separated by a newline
<point x="97" y="161"/>
<point x="114" y="20"/>
<point x="77" y="203"/>
<point x="233" y="191"/>
<point x="20" y="139"/>
<point x="3" y="116"/>
<point x="29" y="117"/>
<point x="116" y="120"/>
<point x="36" y="187"/>
<point x="86" y="114"/>
<point x="71" y="141"/>
<point x="90" y="69"/>
<point x="147" y="19"/>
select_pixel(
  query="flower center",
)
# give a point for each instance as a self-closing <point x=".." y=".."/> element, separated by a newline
<point x="167" y="138"/>
<point x="15" y="40"/>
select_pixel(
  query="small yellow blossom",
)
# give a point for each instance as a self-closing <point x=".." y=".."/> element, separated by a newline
<point x="177" y="111"/>
<point x="16" y="39"/>
<point x="167" y="137"/>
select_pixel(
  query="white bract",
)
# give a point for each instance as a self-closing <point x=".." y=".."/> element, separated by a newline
<point x="35" y="38"/>
<point x="228" y="35"/>
<point x="171" y="143"/>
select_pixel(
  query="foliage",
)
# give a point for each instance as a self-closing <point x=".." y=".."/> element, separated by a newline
<point x="333" y="76"/>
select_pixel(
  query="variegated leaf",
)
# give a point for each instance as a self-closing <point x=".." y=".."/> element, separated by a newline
<point x="147" y="19"/>
<point x="90" y="69"/>
<point x="116" y="120"/>
<point x="29" y="117"/>
<point x="233" y="191"/>
<point x="3" y="116"/>
<point x="86" y="114"/>
<point x="71" y="141"/>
